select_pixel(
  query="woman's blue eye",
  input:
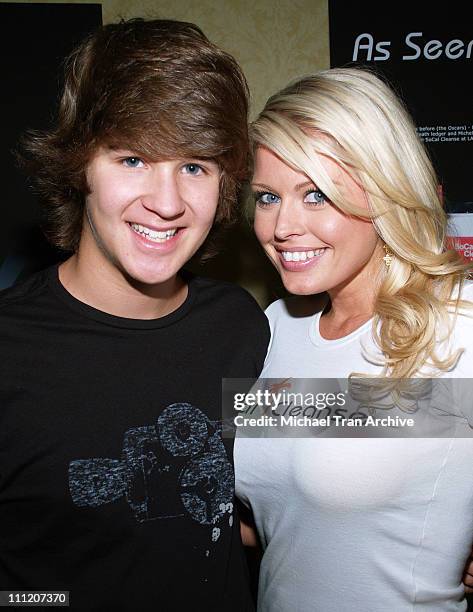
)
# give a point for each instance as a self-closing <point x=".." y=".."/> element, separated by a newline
<point x="315" y="196"/>
<point x="133" y="162"/>
<point x="266" y="198"/>
<point x="193" y="169"/>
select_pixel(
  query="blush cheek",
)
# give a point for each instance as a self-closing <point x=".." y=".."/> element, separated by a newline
<point x="331" y="230"/>
<point x="201" y="203"/>
<point x="340" y="230"/>
<point x="109" y="198"/>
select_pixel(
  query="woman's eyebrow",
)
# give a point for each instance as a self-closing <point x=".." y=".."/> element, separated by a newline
<point x="304" y="184"/>
<point x="296" y="187"/>
<point x="262" y="186"/>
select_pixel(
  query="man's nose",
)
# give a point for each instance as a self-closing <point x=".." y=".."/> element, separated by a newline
<point x="162" y="194"/>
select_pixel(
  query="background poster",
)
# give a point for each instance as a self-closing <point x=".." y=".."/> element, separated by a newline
<point x="428" y="60"/>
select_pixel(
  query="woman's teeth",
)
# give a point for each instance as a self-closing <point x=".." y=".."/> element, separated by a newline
<point x="301" y="255"/>
<point x="153" y="235"/>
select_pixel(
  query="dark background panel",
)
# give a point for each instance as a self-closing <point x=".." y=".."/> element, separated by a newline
<point x="437" y="90"/>
<point x="34" y="40"/>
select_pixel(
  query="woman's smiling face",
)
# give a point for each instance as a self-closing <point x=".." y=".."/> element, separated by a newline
<point x="314" y="245"/>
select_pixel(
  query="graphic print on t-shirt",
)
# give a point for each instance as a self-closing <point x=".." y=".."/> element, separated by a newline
<point x="175" y="468"/>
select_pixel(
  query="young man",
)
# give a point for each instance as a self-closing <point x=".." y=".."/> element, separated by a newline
<point x="115" y="484"/>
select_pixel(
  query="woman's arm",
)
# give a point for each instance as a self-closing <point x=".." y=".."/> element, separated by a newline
<point x="468" y="574"/>
<point x="249" y="535"/>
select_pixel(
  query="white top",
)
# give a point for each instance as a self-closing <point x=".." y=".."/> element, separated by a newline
<point x="356" y="525"/>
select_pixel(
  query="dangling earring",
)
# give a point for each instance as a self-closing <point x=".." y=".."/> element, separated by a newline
<point x="388" y="256"/>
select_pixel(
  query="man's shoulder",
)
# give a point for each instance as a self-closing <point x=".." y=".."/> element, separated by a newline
<point x="228" y="308"/>
<point x="226" y="295"/>
<point x="23" y="293"/>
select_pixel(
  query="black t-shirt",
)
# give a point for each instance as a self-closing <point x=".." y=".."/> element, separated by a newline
<point x="115" y="482"/>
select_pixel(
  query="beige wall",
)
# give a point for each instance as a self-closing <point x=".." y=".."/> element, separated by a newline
<point x="274" y="41"/>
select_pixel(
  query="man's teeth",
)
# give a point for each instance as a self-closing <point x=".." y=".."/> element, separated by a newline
<point x="301" y="255"/>
<point x="153" y="234"/>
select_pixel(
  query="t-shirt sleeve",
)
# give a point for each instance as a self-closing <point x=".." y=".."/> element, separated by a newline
<point x="255" y="331"/>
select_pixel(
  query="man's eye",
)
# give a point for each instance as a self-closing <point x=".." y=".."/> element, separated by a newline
<point x="193" y="169"/>
<point x="133" y="162"/>
<point x="264" y="198"/>
<point x="315" y="196"/>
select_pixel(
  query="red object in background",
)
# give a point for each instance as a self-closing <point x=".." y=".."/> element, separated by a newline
<point x="464" y="245"/>
<point x="460" y="234"/>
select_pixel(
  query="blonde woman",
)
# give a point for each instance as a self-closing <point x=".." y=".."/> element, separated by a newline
<point x="348" y="211"/>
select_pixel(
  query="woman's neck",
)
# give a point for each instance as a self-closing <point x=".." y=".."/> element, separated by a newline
<point x="349" y="307"/>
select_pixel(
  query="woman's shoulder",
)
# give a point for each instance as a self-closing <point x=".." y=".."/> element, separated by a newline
<point x="465" y="308"/>
<point x="467" y="291"/>
<point x="461" y="335"/>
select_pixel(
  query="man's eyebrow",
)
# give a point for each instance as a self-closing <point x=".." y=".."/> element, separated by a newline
<point x="119" y="148"/>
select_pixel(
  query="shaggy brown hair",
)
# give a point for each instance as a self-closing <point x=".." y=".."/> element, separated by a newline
<point x="158" y="88"/>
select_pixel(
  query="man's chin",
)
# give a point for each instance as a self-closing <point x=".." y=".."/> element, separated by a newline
<point x="143" y="279"/>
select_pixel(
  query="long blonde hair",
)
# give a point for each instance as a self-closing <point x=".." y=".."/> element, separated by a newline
<point x="351" y="116"/>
